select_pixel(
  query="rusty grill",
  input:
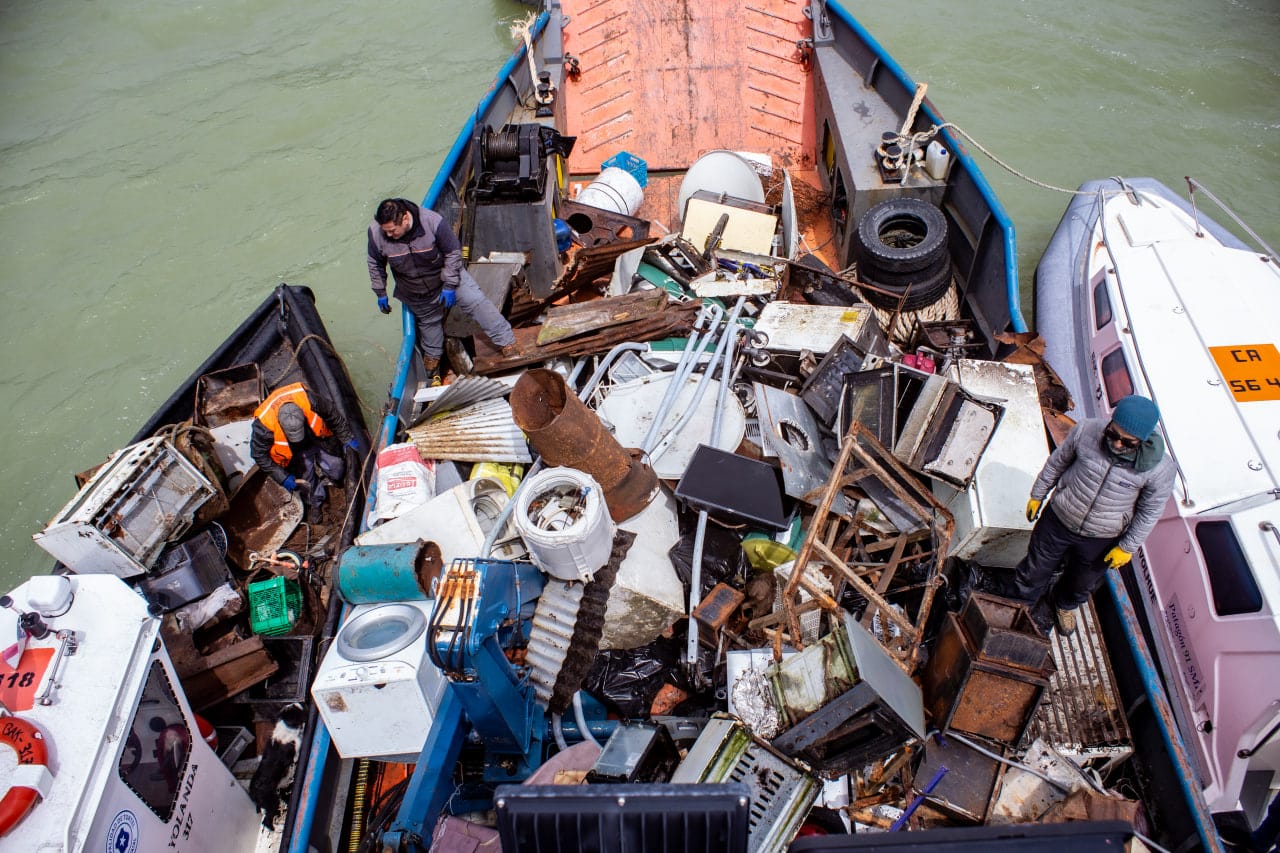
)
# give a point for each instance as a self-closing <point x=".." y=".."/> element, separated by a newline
<point x="1081" y="714"/>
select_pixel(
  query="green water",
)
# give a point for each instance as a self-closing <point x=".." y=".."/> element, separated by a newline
<point x="164" y="165"/>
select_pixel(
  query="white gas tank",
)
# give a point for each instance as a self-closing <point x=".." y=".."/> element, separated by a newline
<point x="127" y="769"/>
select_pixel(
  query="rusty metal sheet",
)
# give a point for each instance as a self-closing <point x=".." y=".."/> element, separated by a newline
<point x="673" y="320"/>
<point x="570" y="321"/>
<point x="592" y="262"/>
<point x="227" y="396"/>
<point x="261" y="518"/>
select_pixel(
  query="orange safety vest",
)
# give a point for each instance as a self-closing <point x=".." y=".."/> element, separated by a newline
<point x="268" y="414"/>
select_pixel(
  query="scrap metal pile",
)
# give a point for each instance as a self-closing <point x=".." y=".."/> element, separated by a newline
<point x="771" y="535"/>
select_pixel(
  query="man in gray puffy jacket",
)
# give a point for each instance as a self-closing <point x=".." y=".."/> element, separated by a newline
<point x="1112" y="480"/>
<point x="426" y="257"/>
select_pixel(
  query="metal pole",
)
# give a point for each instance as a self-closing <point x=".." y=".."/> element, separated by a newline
<point x="695" y="581"/>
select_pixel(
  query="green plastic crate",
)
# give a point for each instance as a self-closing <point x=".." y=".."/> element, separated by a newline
<point x="274" y="606"/>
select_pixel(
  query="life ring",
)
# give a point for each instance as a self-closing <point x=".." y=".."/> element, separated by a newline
<point x="29" y="743"/>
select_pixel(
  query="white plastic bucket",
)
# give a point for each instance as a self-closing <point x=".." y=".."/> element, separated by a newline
<point x="721" y="172"/>
<point x="614" y="189"/>
<point x="568" y="530"/>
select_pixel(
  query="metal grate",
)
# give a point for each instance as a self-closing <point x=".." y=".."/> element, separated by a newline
<point x="1081" y="714"/>
<point x="781" y="791"/>
<point x="629" y="818"/>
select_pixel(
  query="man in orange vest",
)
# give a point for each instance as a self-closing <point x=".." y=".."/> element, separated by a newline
<point x="293" y="441"/>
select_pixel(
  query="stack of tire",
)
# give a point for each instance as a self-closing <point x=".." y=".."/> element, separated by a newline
<point x="901" y="250"/>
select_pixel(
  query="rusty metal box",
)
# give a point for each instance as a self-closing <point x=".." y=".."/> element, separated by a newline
<point x="966" y="792"/>
<point x="714" y="612"/>
<point x="968" y="693"/>
<point x="1003" y="630"/>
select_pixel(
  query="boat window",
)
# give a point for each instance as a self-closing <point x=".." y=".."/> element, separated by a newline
<point x="1115" y="376"/>
<point x="1101" y="305"/>
<point x="157" y="746"/>
<point x="1234" y="589"/>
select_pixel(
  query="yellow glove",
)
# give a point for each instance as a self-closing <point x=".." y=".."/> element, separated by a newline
<point x="1116" y="557"/>
<point x="1033" y="509"/>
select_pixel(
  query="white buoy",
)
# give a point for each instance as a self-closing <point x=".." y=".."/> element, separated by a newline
<point x="562" y="518"/>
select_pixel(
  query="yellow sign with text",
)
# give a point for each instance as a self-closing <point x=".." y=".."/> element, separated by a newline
<point x="1252" y="371"/>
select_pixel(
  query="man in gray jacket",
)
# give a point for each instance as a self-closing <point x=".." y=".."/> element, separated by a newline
<point x="426" y="257"/>
<point x="1112" y="480"/>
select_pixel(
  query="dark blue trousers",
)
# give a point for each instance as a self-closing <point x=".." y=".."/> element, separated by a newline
<point x="1267" y="835"/>
<point x="1053" y="544"/>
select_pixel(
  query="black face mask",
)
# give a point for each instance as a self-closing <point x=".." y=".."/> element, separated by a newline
<point x="1124" y="454"/>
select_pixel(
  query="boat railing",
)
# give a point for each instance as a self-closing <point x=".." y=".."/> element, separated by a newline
<point x="1193" y="186"/>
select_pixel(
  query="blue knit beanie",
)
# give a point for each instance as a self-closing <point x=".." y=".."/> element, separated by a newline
<point x="1137" y="416"/>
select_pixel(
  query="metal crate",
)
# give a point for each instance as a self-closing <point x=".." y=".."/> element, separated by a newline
<point x="145" y="496"/>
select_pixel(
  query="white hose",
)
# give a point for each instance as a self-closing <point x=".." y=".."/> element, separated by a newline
<point x="581" y="719"/>
<point x="558" y="733"/>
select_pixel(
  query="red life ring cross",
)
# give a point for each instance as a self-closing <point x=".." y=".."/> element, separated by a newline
<point x="28" y="742"/>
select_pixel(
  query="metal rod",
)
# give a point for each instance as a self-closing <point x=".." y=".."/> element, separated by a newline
<point x="699" y="537"/>
<point x="709" y="317"/>
<point x="67" y="647"/>
<point x="670" y="436"/>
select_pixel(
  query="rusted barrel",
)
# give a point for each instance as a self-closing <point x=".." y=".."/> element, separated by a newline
<point x="390" y="572"/>
<point x="565" y="432"/>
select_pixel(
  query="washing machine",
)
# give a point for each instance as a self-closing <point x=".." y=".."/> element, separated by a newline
<point x="377" y="690"/>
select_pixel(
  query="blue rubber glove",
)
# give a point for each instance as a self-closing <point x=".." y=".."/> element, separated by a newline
<point x="384" y="305"/>
<point x="353" y="445"/>
<point x="290" y="483"/>
<point x="448" y="296"/>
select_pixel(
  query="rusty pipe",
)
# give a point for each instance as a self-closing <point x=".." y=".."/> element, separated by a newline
<point x="564" y="431"/>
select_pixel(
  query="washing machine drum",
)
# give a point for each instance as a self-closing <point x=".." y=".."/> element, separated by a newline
<point x="380" y="632"/>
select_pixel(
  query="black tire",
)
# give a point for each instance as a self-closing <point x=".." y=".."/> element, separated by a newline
<point x="900" y="235"/>
<point x="919" y="293"/>
<point x="901" y="280"/>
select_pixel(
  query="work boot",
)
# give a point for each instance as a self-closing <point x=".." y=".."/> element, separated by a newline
<point x="508" y="351"/>
<point x="431" y="365"/>
<point x="1065" y="620"/>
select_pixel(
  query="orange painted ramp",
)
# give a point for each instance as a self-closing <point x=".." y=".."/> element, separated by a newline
<point x="668" y="80"/>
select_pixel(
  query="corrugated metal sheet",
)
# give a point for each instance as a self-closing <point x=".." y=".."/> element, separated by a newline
<point x="463" y="392"/>
<point x="480" y="432"/>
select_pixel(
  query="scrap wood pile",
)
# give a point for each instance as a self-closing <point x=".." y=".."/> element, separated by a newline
<point x="788" y="531"/>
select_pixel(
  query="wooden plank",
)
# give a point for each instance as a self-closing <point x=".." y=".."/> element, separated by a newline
<point x="570" y="321"/>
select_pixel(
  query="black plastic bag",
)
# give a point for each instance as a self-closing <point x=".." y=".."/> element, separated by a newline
<point x="628" y="679"/>
<point x="723" y="560"/>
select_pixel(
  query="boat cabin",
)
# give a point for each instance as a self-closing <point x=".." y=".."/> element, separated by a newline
<point x="1173" y="308"/>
